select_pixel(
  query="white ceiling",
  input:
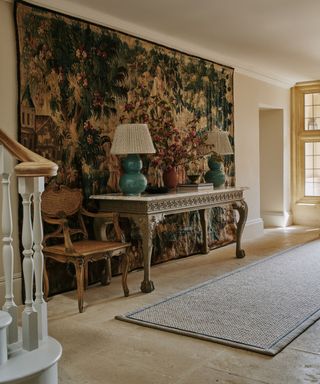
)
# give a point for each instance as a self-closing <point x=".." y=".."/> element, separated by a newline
<point x="278" y="39"/>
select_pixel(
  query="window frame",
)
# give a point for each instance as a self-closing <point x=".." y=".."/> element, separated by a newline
<point x="300" y="136"/>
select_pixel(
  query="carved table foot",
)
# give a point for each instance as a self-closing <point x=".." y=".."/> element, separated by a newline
<point x="147" y="286"/>
<point x="240" y="253"/>
<point x="242" y="208"/>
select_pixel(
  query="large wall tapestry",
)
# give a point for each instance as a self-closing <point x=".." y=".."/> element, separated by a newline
<point x="78" y="81"/>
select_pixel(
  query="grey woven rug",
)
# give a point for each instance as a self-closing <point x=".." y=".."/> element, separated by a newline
<point x="260" y="307"/>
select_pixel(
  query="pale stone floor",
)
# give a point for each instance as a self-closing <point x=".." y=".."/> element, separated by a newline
<point x="98" y="349"/>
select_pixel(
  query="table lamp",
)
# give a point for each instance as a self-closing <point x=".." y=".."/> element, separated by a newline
<point x="219" y="141"/>
<point x="132" y="140"/>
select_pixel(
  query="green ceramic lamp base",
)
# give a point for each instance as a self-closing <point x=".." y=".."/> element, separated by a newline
<point x="216" y="174"/>
<point x="132" y="182"/>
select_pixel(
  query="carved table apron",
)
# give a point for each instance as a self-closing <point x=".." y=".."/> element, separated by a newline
<point x="147" y="210"/>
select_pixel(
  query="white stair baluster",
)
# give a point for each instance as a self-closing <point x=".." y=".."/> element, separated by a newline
<point x="40" y="305"/>
<point x="7" y="249"/>
<point x="5" y="320"/>
<point x="29" y="316"/>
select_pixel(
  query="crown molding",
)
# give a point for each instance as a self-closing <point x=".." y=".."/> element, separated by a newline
<point x="267" y="78"/>
<point x="104" y="19"/>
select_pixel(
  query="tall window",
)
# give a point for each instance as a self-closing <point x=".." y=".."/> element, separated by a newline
<point x="306" y="142"/>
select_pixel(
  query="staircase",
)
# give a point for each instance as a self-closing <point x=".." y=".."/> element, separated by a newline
<point x="27" y="354"/>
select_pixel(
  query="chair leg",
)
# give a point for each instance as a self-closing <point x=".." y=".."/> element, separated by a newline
<point x="80" y="267"/>
<point x="125" y="266"/>
<point x="86" y="276"/>
<point x="45" y="281"/>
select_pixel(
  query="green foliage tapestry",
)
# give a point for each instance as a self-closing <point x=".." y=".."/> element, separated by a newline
<point x="78" y="81"/>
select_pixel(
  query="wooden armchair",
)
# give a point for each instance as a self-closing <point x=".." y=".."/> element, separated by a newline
<point x="59" y="206"/>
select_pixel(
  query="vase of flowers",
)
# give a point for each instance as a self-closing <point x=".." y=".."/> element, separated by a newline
<point x="170" y="178"/>
<point x="176" y="138"/>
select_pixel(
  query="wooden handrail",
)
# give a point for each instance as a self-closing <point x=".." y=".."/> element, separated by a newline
<point x="32" y="164"/>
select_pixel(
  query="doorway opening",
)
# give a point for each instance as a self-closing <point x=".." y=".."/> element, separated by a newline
<point x="271" y="147"/>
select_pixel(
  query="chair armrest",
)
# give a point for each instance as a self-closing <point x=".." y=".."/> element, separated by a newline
<point x="117" y="229"/>
<point x="64" y="227"/>
<point x="108" y="215"/>
<point x="102" y="215"/>
<point x="67" y="238"/>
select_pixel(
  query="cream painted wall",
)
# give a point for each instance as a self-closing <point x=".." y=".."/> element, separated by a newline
<point x="271" y="159"/>
<point x="250" y="95"/>
<point x="8" y="123"/>
<point x="271" y="168"/>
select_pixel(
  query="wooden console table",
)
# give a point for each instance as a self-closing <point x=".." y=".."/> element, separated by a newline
<point x="147" y="210"/>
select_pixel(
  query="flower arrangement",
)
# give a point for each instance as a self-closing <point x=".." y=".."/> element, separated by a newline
<point x="175" y="146"/>
<point x="176" y="134"/>
<point x="176" y="143"/>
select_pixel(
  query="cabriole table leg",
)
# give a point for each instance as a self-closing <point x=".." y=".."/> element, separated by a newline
<point x="242" y="208"/>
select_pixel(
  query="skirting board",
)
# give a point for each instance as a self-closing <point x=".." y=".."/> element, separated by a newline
<point x="17" y="284"/>
<point x="276" y="218"/>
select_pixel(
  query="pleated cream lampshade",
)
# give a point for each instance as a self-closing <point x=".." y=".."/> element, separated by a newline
<point x="220" y="141"/>
<point x="132" y="138"/>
